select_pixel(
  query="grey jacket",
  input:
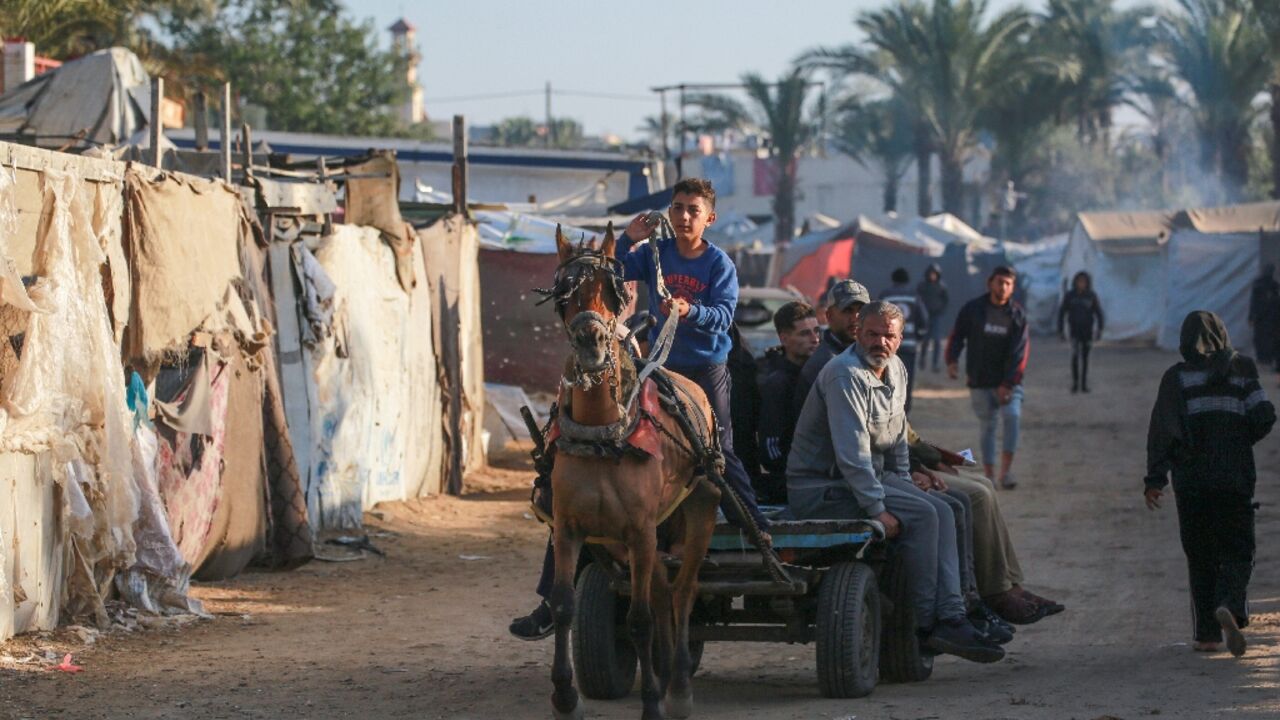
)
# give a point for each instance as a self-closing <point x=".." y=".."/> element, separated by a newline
<point x="852" y="431"/>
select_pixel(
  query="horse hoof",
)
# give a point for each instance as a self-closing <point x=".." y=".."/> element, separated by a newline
<point x="574" y="714"/>
<point x="679" y="708"/>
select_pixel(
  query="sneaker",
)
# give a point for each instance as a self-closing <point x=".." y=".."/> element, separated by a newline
<point x="991" y="626"/>
<point x="1015" y="609"/>
<point x="1051" y="607"/>
<point x="1008" y="482"/>
<point x="537" y="625"/>
<point x="1235" y="639"/>
<point x="960" y="638"/>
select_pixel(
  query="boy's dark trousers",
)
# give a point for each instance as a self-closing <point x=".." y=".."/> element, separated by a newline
<point x="1218" y="538"/>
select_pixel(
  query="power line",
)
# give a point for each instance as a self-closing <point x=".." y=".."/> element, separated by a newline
<point x="486" y="96"/>
<point x="603" y="95"/>
<point x="530" y="93"/>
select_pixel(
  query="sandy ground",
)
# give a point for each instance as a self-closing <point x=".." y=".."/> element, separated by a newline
<point x="422" y="633"/>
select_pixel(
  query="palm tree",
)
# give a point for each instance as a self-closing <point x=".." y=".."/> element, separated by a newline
<point x="947" y="64"/>
<point x="1269" y="15"/>
<point x="879" y="133"/>
<point x="778" y="111"/>
<point x="1221" y="52"/>
<point x="1152" y="95"/>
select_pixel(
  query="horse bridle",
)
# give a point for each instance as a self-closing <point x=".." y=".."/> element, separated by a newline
<point x="569" y="278"/>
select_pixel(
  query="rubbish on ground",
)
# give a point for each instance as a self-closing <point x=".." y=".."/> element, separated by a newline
<point x="66" y="666"/>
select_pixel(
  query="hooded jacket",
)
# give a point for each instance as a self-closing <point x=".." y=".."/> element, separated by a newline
<point x="1208" y="414"/>
<point x="934" y="295"/>
<point x="1080" y="309"/>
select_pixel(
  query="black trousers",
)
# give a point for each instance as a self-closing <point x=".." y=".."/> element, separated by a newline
<point x="1080" y="361"/>
<point x="1218" y="539"/>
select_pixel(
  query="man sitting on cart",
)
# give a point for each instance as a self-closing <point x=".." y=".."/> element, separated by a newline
<point x="849" y="459"/>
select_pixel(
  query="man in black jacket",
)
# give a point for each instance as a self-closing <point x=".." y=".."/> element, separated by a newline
<point x="1082" y="313"/>
<point x="916" y="320"/>
<point x="1209" y="413"/>
<point x="994" y="328"/>
<point x="935" y="296"/>
<point x="797" y="327"/>
<point x="1264" y="317"/>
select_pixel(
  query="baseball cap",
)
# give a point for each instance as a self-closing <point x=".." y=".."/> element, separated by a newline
<point x="845" y="293"/>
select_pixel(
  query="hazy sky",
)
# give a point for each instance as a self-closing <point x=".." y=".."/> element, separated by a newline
<point x="514" y="47"/>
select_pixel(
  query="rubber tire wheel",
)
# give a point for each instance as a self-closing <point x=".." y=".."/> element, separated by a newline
<point x="901" y="657"/>
<point x="604" y="659"/>
<point x="848" y="631"/>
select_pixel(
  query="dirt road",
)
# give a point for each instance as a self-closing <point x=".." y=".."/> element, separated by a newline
<point x="422" y="633"/>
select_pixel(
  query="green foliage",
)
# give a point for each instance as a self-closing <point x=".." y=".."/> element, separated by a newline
<point x="313" y="69"/>
<point x="877" y="133"/>
<point x="522" y="131"/>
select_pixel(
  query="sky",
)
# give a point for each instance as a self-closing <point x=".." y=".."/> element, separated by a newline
<point x="491" y="59"/>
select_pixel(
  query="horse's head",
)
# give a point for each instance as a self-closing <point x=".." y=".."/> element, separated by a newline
<point x="589" y="294"/>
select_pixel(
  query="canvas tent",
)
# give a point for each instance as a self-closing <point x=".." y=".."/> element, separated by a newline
<point x="103" y="98"/>
<point x="1213" y="256"/>
<point x="1124" y="252"/>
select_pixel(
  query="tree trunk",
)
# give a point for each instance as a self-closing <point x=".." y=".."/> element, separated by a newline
<point x="952" y="184"/>
<point x="784" y="202"/>
<point x="1275" y="140"/>
<point x="891" y="181"/>
<point x="1235" y="164"/>
<point x="924" y="181"/>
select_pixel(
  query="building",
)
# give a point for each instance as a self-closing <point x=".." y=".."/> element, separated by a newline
<point x="405" y="47"/>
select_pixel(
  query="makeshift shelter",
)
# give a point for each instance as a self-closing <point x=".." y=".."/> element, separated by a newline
<point x="1212" y="257"/>
<point x="103" y="98"/>
<point x="1124" y="252"/>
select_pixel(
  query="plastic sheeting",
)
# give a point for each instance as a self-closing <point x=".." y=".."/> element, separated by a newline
<point x="375" y="412"/>
<point x="1210" y="272"/>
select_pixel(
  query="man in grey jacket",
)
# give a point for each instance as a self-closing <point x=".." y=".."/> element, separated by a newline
<point x="849" y="459"/>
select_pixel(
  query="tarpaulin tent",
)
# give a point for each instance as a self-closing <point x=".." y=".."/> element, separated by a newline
<point x="1124" y="252"/>
<point x="103" y="98"/>
<point x="1213" y="256"/>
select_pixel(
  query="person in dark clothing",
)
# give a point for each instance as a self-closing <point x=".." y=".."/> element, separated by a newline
<point x="1264" y="317"/>
<point x="1081" y="314"/>
<point x="916" y="321"/>
<point x="843" y="302"/>
<point x="994" y="328"/>
<point x="797" y="327"/>
<point x="933" y="293"/>
<point x="1208" y="414"/>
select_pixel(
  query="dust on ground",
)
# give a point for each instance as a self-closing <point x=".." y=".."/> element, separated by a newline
<point x="422" y="632"/>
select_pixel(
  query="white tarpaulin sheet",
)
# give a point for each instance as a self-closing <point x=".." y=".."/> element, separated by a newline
<point x="1210" y="272"/>
<point x="375" y="399"/>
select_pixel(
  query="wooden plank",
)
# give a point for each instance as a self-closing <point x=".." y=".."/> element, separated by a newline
<point x="225" y="138"/>
<point x="157" y="123"/>
<point x="25" y="157"/>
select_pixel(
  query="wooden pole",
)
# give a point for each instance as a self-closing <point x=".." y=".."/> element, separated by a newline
<point x="157" y="94"/>
<point x="549" y="139"/>
<point x="460" y="164"/>
<point x="225" y="139"/>
<point x="246" y="137"/>
<point x="201" y="122"/>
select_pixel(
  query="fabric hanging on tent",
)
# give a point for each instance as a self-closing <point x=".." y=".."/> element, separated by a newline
<point x="182" y="240"/>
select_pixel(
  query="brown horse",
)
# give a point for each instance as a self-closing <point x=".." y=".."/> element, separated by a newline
<point x="622" y="498"/>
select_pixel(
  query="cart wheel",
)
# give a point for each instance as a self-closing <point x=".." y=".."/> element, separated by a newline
<point x="604" y="659"/>
<point x="848" y="632"/>
<point x="901" y="658"/>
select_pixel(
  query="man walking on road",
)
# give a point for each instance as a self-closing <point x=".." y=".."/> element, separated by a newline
<point x="933" y="293"/>
<point x="1081" y="314"/>
<point x="1209" y="413"/>
<point x="994" y="330"/>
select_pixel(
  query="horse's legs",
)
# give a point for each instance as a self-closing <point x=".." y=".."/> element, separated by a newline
<point x="644" y="555"/>
<point x="564" y="699"/>
<point x="663" y="638"/>
<point x="699" y="511"/>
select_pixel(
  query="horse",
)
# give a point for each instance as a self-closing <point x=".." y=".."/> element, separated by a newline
<point x="623" y="496"/>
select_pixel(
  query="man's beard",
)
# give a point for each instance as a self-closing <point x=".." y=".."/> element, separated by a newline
<point x="876" y="362"/>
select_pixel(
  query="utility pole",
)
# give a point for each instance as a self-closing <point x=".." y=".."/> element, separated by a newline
<point x="460" y="165"/>
<point x="665" y="123"/>
<point x="550" y="130"/>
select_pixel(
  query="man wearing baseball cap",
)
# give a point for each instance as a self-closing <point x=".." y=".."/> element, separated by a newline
<point x="843" y="302"/>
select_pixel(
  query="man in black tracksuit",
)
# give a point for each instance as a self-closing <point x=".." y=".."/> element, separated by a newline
<point x="1083" y="315"/>
<point x="935" y="296"/>
<point x="797" y="327"/>
<point x="915" y="322"/>
<point x="1264" y="317"/>
<point x="1208" y="415"/>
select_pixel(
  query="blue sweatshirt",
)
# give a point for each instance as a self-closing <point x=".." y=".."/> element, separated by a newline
<point x="709" y="283"/>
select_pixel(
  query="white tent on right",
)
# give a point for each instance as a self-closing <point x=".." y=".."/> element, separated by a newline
<point x="1152" y="268"/>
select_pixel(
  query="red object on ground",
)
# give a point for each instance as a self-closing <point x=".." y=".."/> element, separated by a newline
<point x="66" y="665"/>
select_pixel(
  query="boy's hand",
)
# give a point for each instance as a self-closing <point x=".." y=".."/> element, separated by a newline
<point x="1152" y="497"/>
<point x="681" y="307"/>
<point x="639" y="229"/>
